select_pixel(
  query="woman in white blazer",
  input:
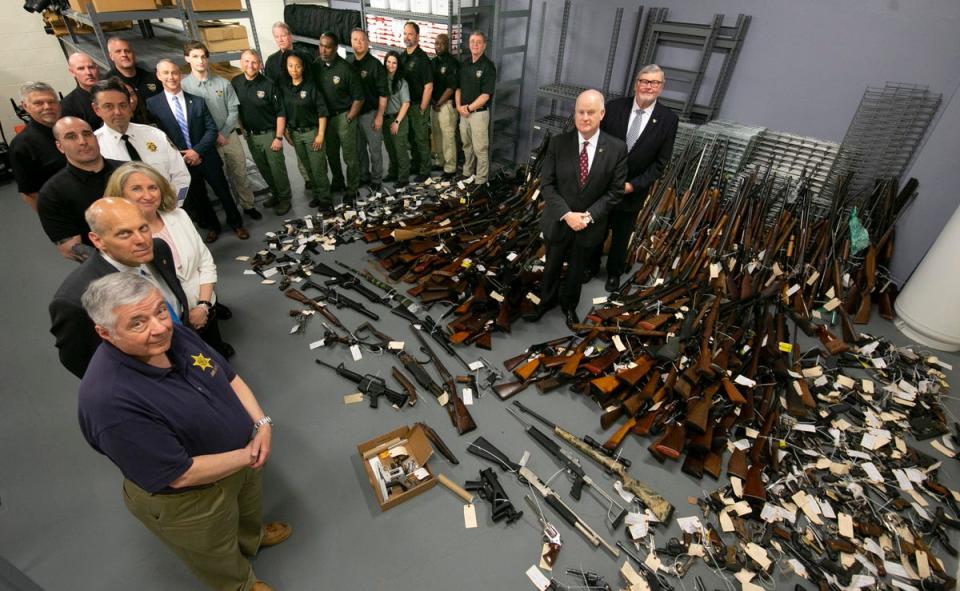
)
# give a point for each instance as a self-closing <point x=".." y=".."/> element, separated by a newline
<point x="145" y="187"/>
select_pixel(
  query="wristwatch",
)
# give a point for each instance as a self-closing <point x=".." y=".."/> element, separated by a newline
<point x="206" y="304"/>
<point x="264" y="421"/>
<point x="279" y="138"/>
<point x="589" y="219"/>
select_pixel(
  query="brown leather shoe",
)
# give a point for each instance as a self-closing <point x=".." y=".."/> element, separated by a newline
<point x="274" y="533"/>
<point x="211" y="236"/>
<point x="261" y="586"/>
<point x="242" y="233"/>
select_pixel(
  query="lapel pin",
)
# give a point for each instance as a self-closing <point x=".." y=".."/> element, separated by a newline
<point x="653" y="121"/>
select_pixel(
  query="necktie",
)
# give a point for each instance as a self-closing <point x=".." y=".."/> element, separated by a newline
<point x="181" y="118"/>
<point x="584" y="164"/>
<point x="134" y="155"/>
<point x="173" y="313"/>
<point x="634" y="132"/>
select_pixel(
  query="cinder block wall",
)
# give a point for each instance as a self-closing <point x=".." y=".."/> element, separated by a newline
<point x="27" y="54"/>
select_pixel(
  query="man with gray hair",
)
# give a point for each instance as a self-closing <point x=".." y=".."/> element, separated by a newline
<point x="184" y="429"/>
<point x="124" y="243"/>
<point x="79" y="103"/>
<point x="648" y="128"/>
<point x="34" y="156"/>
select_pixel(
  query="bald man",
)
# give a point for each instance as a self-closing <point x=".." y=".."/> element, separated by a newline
<point x="582" y="179"/>
<point x="64" y="198"/>
<point x="79" y="103"/>
<point x="124" y="244"/>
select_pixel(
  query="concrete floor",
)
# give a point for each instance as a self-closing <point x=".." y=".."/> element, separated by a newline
<point x="63" y="523"/>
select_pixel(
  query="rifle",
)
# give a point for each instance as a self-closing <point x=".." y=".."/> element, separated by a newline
<point x="455" y="407"/>
<point x="405" y="307"/>
<point x="372" y="386"/>
<point x="406" y="385"/>
<point x="564" y="434"/>
<point x="339" y="300"/>
<point x="572" y="465"/>
<point x="437" y="442"/>
<point x="346" y="281"/>
<point x="656" y="503"/>
<point x="295" y="294"/>
<point x="484" y="449"/>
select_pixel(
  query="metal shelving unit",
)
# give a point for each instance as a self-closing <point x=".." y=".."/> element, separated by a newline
<point x="561" y="91"/>
<point x="165" y="39"/>
<point x="709" y="39"/>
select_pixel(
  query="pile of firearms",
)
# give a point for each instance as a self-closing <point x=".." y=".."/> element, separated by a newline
<point x="700" y="352"/>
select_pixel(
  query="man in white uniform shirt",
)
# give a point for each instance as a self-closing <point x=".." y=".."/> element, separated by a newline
<point x="122" y="140"/>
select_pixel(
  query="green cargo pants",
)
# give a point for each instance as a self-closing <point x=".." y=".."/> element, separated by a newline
<point x="342" y="135"/>
<point x="271" y="165"/>
<point x="212" y="528"/>
<point x="314" y="162"/>
<point x="399" y="166"/>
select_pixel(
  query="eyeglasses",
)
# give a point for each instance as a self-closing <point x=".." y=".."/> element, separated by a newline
<point x="654" y="83"/>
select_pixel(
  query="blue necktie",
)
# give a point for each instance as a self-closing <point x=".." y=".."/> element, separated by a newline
<point x="170" y="309"/>
<point x="181" y="118"/>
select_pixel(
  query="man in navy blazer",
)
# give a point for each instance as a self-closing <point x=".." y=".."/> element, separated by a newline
<point x="582" y="180"/>
<point x="124" y="244"/>
<point x="196" y="138"/>
<point x="648" y="128"/>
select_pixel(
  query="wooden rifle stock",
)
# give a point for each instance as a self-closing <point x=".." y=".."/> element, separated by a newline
<point x="737" y="466"/>
<point x="631" y="376"/>
<point x="598" y="364"/>
<point x="406" y="385"/>
<point x="604" y="386"/>
<point x="525" y="371"/>
<point x="833" y="345"/>
<point x="672" y="442"/>
<point x="705" y="361"/>
<point x="617" y="438"/>
<point x="698" y="412"/>
<point x="570" y="366"/>
<point x="732" y="392"/>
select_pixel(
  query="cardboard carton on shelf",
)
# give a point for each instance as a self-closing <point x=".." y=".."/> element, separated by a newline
<point x="113" y="5"/>
<point x="223" y="37"/>
<point x="208" y="5"/>
<point x="416" y="445"/>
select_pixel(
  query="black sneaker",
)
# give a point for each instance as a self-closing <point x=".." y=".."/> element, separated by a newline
<point x="253" y="214"/>
<point x="271" y="202"/>
<point x="448" y="176"/>
<point x="420" y="178"/>
<point x="390" y="178"/>
<point x="374" y="187"/>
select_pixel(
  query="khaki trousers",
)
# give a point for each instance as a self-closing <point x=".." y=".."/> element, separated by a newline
<point x="444" y="136"/>
<point x="212" y="529"/>
<point x="474" y="133"/>
<point x="235" y="165"/>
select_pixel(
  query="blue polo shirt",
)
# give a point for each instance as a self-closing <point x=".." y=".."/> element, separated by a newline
<point x="151" y="421"/>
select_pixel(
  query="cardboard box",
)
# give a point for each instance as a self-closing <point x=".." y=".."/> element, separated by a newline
<point x="113" y="5"/>
<point x="418" y="448"/>
<point x="225" y="70"/>
<point x="223" y="37"/>
<point x="202" y="5"/>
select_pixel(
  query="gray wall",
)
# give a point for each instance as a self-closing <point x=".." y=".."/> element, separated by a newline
<point x="803" y="69"/>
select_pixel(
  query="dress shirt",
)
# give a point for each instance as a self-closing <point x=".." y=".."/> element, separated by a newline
<point x="154" y="147"/>
<point x="591" y="147"/>
<point x="151" y="274"/>
<point x="647" y="113"/>
<point x="220" y="97"/>
<point x="183" y="105"/>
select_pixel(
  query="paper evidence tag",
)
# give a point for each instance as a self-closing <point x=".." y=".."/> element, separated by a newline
<point x="353" y="398"/>
<point x="469" y="516"/>
<point x="536" y="577"/>
<point x="355" y="351"/>
<point x="467" y="394"/>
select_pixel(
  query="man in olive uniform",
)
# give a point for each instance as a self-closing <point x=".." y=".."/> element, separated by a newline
<point x="344" y="96"/>
<point x="444" y="117"/>
<point x="125" y="67"/>
<point x="373" y="79"/>
<point x="419" y="75"/>
<point x="264" y="121"/>
<point x="478" y="78"/>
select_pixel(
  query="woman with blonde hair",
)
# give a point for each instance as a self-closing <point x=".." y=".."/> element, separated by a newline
<point x="146" y="188"/>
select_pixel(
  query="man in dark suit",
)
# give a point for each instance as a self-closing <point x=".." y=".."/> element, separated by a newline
<point x="648" y="128"/>
<point x="124" y="244"/>
<point x="581" y="182"/>
<point x="188" y="123"/>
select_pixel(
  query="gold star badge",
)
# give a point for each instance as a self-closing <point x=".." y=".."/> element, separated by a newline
<point x="202" y="362"/>
<point x="152" y="146"/>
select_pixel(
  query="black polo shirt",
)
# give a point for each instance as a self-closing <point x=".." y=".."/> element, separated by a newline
<point x="477" y="78"/>
<point x="373" y="81"/>
<point x="146" y="85"/>
<point x="152" y="421"/>
<point x="304" y="104"/>
<point x="79" y="103"/>
<point x="275" y="67"/>
<point x="445" y="75"/>
<point x="67" y="195"/>
<point x="260" y="103"/>
<point x="338" y="84"/>
<point x="417" y="71"/>
<point x="34" y="157"/>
